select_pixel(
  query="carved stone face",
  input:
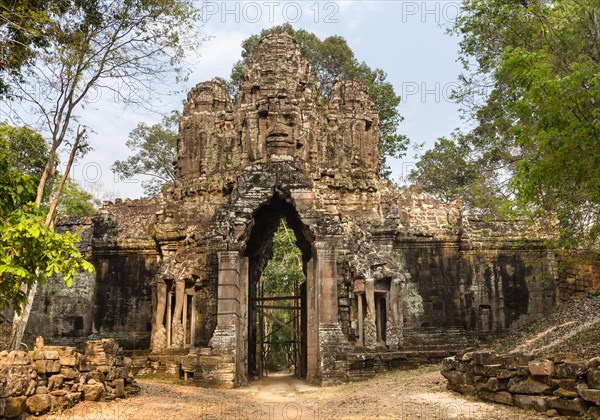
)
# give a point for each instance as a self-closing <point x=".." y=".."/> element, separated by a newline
<point x="281" y="131"/>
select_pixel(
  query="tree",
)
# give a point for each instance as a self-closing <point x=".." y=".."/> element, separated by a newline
<point x="30" y="251"/>
<point x="281" y="277"/>
<point x="332" y="58"/>
<point x="26" y="150"/>
<point x="91" y="47"/>
<point x="532" y="86"/>
<point x="23" y="25"/>
<point x="75" y="201"/>
<point x="155" y="147"/>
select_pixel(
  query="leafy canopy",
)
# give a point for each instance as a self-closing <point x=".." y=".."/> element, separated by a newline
<point x="532" y="85"/>
<point x="155" y="148"/>
<point x="30" y="252"/>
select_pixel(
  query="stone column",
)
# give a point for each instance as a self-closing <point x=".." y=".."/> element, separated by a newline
<point x="395" y="316"/>
<point x="227" y="300"/>
<point x="312" y="327"/>
<point x="361" y="334"/>
<point x="370" y="329"/>
<point x="177" y="331"/>
<point x="326" y="271"/>
<point x="332" y="340"/>
<point x="159" y="335"/>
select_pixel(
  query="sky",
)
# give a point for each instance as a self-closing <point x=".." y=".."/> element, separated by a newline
<point x="407" y="39"/>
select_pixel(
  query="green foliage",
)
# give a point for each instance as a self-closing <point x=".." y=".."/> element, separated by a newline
<point x="74" y="201"/>
<point x="332" y="58"/>
<point x="155" y="147"/>
<point x="452" y="169"/>
<point x="23" y="24"/>
<point x="281" y="277"/>
<point x="532" y="87"/>
<point x="27" y="150"/>
<point x="30" y="252"/>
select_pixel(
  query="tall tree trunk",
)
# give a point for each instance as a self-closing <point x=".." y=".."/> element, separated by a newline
<point x="20" y="320"/>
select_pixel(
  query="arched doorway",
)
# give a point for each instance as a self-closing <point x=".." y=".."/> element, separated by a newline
<point x="277" y="316"/>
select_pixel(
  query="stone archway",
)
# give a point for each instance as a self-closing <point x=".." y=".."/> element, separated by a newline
<point x="256" y="256"/>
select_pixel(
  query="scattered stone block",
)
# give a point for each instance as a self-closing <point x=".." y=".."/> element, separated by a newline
<point x="93" y="392"/>
<point x="528" y="386"/>
<point x="120" y="388"/>
<point x="592" y="395"/>
<point x="501" y="397"/>
<point x="38" y="404"/>
<point x="568" y="407"/>
<point x="541" y="367"/>
<point x="571" y="370"/>
<point x="14" y="407"/>
<point x="531" y="402"/>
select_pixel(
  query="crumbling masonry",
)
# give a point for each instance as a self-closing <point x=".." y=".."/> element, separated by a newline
<point x="390" y="277"/>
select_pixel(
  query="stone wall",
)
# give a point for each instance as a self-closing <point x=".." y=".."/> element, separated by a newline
<point x="559" y="385"/>
<point x="579" y="272"/>
<point x="54" y="378"/>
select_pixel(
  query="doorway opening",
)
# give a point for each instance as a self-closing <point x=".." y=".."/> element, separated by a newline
<point x="278" y="252"/>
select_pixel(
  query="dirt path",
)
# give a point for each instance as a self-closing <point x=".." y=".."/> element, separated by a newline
<point x="413" y="395"/>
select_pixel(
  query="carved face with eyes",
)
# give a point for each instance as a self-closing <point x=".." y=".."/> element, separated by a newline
<point x="281" y="131"/>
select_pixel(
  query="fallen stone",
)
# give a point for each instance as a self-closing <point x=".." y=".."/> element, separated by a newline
<point x="570" y="370"/>
<point x="58" y="393"/>
<point x="593" y="413"/>
<point x="528" y="386"/>
<point x="513" y="361"/>
<point x="38" y="404"/>
<point x="501" y="397"/>
<point x="69" y="372"/>
<point x="55" y="382"/>
<point x="47" y="366"/>
<point x="592" y="395"/>
<point x="593" y="378"/>
<point x="120" y="388"/>
<point x="14" y="407"/>
<point x="541" y="367"/>
<point x="568" y="407"/>
<point x="93" y="392"/>
<point x="531" y="402"/>
<point x="492" y="385"/>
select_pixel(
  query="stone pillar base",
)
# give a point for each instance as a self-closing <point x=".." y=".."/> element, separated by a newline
<point x="333" y="348"/>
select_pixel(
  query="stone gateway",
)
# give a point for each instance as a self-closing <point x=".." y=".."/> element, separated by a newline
<point x="390" y="278"/>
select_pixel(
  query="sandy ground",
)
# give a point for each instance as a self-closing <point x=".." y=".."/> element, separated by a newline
<point x="415" y="394"/>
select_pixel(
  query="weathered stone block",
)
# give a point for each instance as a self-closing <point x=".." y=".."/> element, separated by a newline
<point x="593" y="378"/>
<point x="501" y="397"/>
<point x="38" y="404"/>
<point x="69" y="373"/>
<point x="93" y="392"/>
<point x="529" y="386"/>
<point x="55" y="382"/>
<point x="570" y="370"/>
<point x="15" y="358"/>
<point x="486" y="358"/>
<point x="492" y="385"/>
<point x="14" y="407"/>
<point x="541" y="367"/>
<point x="120" y="388"/>
<point x="592" y="395"/>
<point x="15" y="380"/>
<point x="568" y="407"/>
<point x="47" y="365"/>
<point x="594" y="363"/>
<point x="531" y="402"/>
<point x="512" y="361"/>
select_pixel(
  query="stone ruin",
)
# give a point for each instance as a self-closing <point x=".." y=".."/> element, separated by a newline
<point x="391" y="278"/>
<point x="55" y="378"/>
